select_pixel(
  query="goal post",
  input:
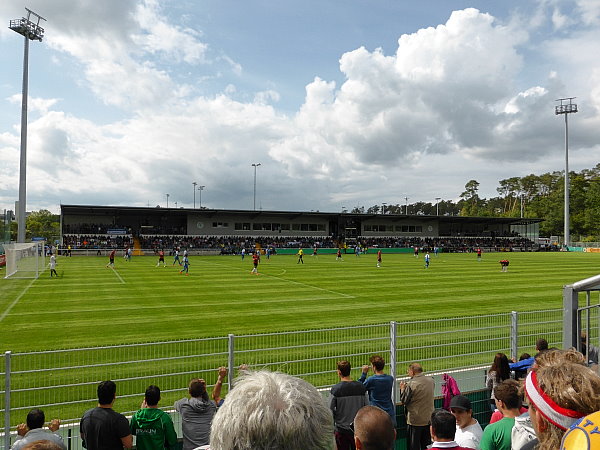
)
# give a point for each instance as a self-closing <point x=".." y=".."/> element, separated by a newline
<point x="25" y="260"/>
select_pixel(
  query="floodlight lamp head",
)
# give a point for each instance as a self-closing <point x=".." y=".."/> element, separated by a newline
<point x="27" y="28"/>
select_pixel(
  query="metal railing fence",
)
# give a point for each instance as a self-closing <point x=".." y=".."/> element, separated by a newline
<point x="63" y="382"/>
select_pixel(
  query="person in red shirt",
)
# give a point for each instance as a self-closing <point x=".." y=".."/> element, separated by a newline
<point x="111" y="258"/>
<point x="161" y="258"/>
<point x="379" y="258"/>
<point x="255" y="261"/>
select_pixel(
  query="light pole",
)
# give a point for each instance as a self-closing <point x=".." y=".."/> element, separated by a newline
<point x="406" y="198"/>
<point x="255" y="166"/>
<point x="201" y="188"/>
<point x="167" y="199"/>
<point x="383" y="207"/>
<point x="437" y="205"/>
<point x="566" y="109"/>
<point x="195" y="184"/>
<point x="31" y="31"/>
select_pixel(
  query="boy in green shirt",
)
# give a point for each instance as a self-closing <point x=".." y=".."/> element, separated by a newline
<point x="152" y="427"/>
<point x="497" y="436"/>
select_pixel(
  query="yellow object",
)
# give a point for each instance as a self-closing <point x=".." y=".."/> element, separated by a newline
<point x="583" y="434"/>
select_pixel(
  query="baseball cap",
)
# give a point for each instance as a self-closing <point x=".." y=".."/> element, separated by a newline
<point x="460" y="402"/>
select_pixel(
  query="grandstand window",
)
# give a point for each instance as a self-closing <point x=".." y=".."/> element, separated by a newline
<point x="285" y="226"/>
<point x="320" y="227"/>
<point x="242" y="226"/>
<point x="266" y="226"/>
<point x="303" y="227"/>
<point x="220" y="224"/>
<point x="257" y="226"/>
<point x="296" y="227"/>
<point x="312" y="227"/>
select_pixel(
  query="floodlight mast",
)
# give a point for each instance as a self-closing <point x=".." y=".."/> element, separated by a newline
<point x="566" y="109"/>
<point x="31" y="31"/>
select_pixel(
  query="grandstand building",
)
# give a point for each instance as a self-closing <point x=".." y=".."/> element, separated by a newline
<point x="143" y="221"/>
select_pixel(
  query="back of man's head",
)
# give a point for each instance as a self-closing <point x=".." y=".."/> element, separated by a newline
<point x="443" y="425"/>
<point x="344" y="368"/>
<point x="373" y="429"/>
<point x="416" y="368"/>
<point x="541" y="345"/>
<point x="106" y="392"/>
<point x="42" y="445"/>
<point x="508" y="393"/>
<point x="377" y="362"/>
<point x="197" y="388"/>
<point x="152" y="395"/>
<point x="35" y="419"/>
<point x="269" y="410"/>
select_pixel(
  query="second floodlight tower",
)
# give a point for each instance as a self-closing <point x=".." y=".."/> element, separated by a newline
<point x="566" y="107"/>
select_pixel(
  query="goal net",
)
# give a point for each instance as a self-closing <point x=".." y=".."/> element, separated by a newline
<point x="25" y="260"/>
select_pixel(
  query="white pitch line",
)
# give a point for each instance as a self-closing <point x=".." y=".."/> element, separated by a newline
<point x="118" y="276"/>
<point x="7" y="310"/>
<point x="291" y="281"/>
<point x="310" y="286"/>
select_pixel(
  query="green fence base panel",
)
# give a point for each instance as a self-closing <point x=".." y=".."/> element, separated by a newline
<point x="480" y="401"/>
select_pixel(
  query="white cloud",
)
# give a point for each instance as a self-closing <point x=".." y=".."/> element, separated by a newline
<point x="590" y="11"/>
<point x="449" y="101"/>
<point x="181" y="43"/>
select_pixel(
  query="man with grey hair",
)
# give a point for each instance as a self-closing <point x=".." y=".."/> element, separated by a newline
<point x="267" y="410"/>
<point x="417" y="396"/>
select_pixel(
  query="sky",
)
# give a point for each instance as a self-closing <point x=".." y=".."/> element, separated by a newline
<point x="343" y="103"/>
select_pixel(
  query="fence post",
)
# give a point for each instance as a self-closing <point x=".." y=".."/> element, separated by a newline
<point x="514" y="334"/>
<point x="393" y="336"/>
<point x="570" y="317"/>
<point x="230" y="359"/>
<point x="7" y="400"/>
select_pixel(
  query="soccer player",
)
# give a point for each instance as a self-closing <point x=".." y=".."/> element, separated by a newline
<point x="161" y="258"/>
<point x="315" y="251"/>
<point x="186" y="265"/>
<point x="379" y="258"/>
<point x="243" y="253"/>
<point x="53" y="265"/>
<point x="427" y="260"/>
<point x="416" y="251"/>
<point x="176" y="259"/>
<point x="300" y="255"/>
<point x="255" y="261"/>
<point x="339" y="255"/>
<point x="478" y="254"/>
<point x="111" y="258"/>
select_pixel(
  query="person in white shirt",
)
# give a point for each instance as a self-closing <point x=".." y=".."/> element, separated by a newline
<point x="468" y="430"/>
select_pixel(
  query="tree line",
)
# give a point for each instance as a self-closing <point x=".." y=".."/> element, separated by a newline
<point x="532" y="196"/>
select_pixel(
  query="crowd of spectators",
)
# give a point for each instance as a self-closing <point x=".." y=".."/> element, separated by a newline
<point x="233" y="244"/>
<point x="271" y="410"/>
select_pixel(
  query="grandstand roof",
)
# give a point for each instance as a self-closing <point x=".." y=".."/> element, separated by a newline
<point x="208" y="212"/>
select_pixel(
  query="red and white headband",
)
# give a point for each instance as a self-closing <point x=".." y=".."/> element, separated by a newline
<point x="563" y="418"/>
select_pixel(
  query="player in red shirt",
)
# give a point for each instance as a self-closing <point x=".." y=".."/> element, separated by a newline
<point x="255" y="261"/>
<point x="161" y="258"/>
<point x="379" y="258"/>
<point x="111" y="258"/>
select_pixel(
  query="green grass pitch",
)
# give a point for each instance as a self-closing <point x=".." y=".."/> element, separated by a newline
<point x="91" y="305"/>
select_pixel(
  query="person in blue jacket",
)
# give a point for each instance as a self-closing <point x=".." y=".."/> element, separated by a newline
<point x="379" y="386"/>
